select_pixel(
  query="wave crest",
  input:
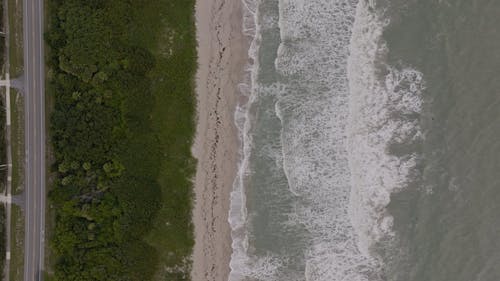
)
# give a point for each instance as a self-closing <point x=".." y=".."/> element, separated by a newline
<point x="384" y="107"/>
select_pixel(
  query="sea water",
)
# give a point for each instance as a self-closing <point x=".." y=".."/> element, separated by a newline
<point x="369" y="142"/>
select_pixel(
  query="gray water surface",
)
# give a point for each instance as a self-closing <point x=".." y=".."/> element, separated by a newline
<point x="451" y="222"/>
<point x="373" y="139"/>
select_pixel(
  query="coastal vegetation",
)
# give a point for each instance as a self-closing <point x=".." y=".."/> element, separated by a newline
<point x="2" y="238"/>
<point x="3" y="146"/>
<point x="122" y="123"/>
<point x="3" y="179"/>
<point x="2" y="38"/>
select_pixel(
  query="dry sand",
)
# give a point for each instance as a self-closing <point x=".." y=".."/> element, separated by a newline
<point x="222" y="55"/>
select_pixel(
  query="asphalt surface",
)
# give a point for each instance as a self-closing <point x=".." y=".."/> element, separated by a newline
<point x="34" y="99"/>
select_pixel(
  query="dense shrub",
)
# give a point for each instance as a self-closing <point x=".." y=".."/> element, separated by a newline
<point x="108" y="156"/>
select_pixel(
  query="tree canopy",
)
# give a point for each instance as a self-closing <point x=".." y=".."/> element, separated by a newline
<point x="105" y="193"/>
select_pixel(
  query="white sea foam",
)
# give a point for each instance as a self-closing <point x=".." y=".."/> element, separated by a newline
<point x="340" y="109"/>
<point x="314" y="112"/>
<point x="383" y="110"/>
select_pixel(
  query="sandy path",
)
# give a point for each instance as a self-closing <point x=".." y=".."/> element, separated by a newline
<point x="222" y="55"/>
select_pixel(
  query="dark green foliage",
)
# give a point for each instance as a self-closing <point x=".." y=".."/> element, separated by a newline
<point x="2" y="38"/>
<point x="3" y="150"/>
<point x="3" y="236"/>
<point x="121" y="172"/>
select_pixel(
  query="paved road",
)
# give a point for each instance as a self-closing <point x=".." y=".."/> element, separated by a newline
<point x="34" y="75"/>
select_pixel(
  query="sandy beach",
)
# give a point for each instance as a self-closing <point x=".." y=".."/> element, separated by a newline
<point x="222" y="54"/>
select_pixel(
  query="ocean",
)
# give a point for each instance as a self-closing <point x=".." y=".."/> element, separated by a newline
<point x="370" y="142"/>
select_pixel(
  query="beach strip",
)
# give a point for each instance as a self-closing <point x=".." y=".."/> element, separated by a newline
<point x="222" y="55"/>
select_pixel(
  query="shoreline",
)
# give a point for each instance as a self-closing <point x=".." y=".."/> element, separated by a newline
<point x="222" y="56"/>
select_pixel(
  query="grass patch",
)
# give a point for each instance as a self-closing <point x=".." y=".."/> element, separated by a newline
<point x="2" y="40"/>
<point x="17" y="246"/>
<point x="2" y="235"/>
<point x="17" y="141"/>
<point x="15" y="37"/>
<point x="174" y="46"/>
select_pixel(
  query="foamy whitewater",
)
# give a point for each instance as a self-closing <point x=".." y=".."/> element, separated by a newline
<point x="317" y="169"/>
